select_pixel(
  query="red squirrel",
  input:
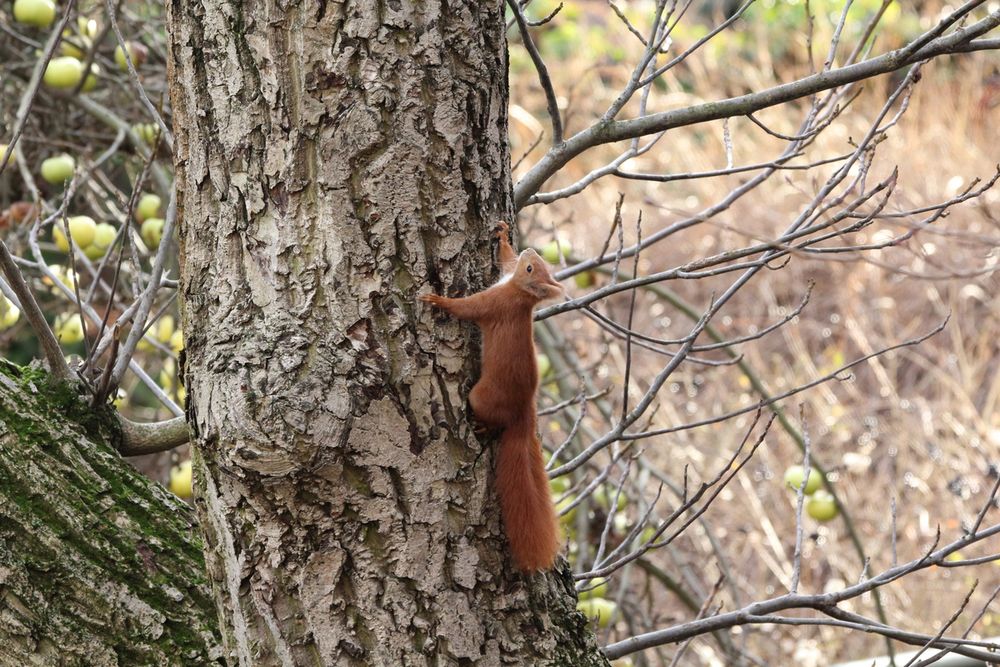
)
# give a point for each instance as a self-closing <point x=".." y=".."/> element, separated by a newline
<point x="504" y="397"/>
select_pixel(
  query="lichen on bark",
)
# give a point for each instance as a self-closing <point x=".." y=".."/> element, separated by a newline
<point x="98" y="565"/>
<point x="333" y="160"/>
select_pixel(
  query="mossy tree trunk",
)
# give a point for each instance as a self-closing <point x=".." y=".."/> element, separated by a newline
<point x="333" y="161"/>
<point x="99" y="566"/>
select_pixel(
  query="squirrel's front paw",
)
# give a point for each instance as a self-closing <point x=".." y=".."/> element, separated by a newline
<point x="502" y="229"/>
<point x="433" y="299"/>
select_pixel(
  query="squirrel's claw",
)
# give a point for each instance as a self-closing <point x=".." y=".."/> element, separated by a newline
<point x="433" y="299"/>
<point x="481" y="429"/>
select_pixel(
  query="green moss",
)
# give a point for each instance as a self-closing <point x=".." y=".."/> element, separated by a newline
<point x="578" y="647"/>
<point x="93" y="517"/>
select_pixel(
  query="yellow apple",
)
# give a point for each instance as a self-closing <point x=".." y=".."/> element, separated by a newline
<point x="9" y="313"/>
<point x="63" y="73"/>
<point x="58" y="169"/>
<point x="167" y="375"/>
<point x="136" y="51"/>
<point x="551" y="250"/>
<point x="560" y="485"/>
<point x="38" y="13"/>
<point x="86" y="27"/>
<point x="164" y="328"/>
<point x="91" y="81"/>
<point x="162" y="332"/>
<point x="104" y="236"/>
<point x="71" y="45"/>
<point x="180" y="479"/>
<point x="601" y="497"/>
<point x="63" y="275"/>
<point x="147" y="132"/>
<point x="177" y="341"/>
<point x="152" y="232"/>
<point x="595" y="588"/>
<point x="68" y="328"/>
<point x="598" y="609"/>
<point x="567" y="519"/>
<point x="148" y="207"/>
<point x="3" y="149"/>
<point x="821" y="506"/>
<point x="81" y="227"/>
<point x="794" y="475"/>
<point x="544" y="365"/>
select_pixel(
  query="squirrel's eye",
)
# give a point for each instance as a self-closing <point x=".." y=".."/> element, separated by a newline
<point x="529" y="268"/>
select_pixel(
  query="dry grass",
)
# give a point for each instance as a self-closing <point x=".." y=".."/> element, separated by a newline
<point x="921" y="426"/>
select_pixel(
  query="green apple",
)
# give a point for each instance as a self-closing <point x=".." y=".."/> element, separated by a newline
<point x="551" y="250"/>
<point x="821" y="506"/>
<point x="567" y="518"/>
<point x="58" y="169"/>
<point x="120" y="56"/>
<point x="68" y="328"/>
<point x="594" y="588"/>
<point x="544" y="365"/>
<point x="81" y="227"/>
<point x="180" y="479"/>
<point x="598" y="609"/>
<point x="63" y="73"/>
<point x="166" y="379"/>
<point x="177" y="341"/>
<point x="91" y="81"/>
<point x="148" y="207"/>
<point x="584" y="280"/>
<point x="152" y="232"/>
<point x="162" y="332"/>
<point x="70" y="45"/>
<point x="86" y="27"/>
<point x="9" y="313"/>
<point x="136" y="51"/>
<point x="181" y="395"/>
<point x="147" y="132"/>
<point x="795" y="474"/>
<point x="104" y="236"/>
<point x="560" y="485"/>
<point x="622" y="662"/>
<point x="38" y="13"/>
<point x="601" y="497"/>
<point x="3" y="149"/>
<point x="94" y="252"/>
<point x="63" y="275"/>
<point x="164" y="328"/>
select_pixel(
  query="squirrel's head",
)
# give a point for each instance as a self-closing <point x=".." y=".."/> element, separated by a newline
<point x="533" y="277"/>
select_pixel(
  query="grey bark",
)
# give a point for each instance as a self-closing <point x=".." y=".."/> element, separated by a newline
<point x="333" y="160"/>
<point x="98" y="565"/>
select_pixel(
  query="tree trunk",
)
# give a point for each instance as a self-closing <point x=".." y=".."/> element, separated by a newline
<point x="333" y="160"/>
<point x="98" y="565"/>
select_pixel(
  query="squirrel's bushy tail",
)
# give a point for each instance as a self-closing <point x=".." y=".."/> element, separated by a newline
<point x="529" y="516"/>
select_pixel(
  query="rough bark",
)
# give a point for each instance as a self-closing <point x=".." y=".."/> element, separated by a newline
<point x="333" y="160"/>
<point x="98" y="565"/>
